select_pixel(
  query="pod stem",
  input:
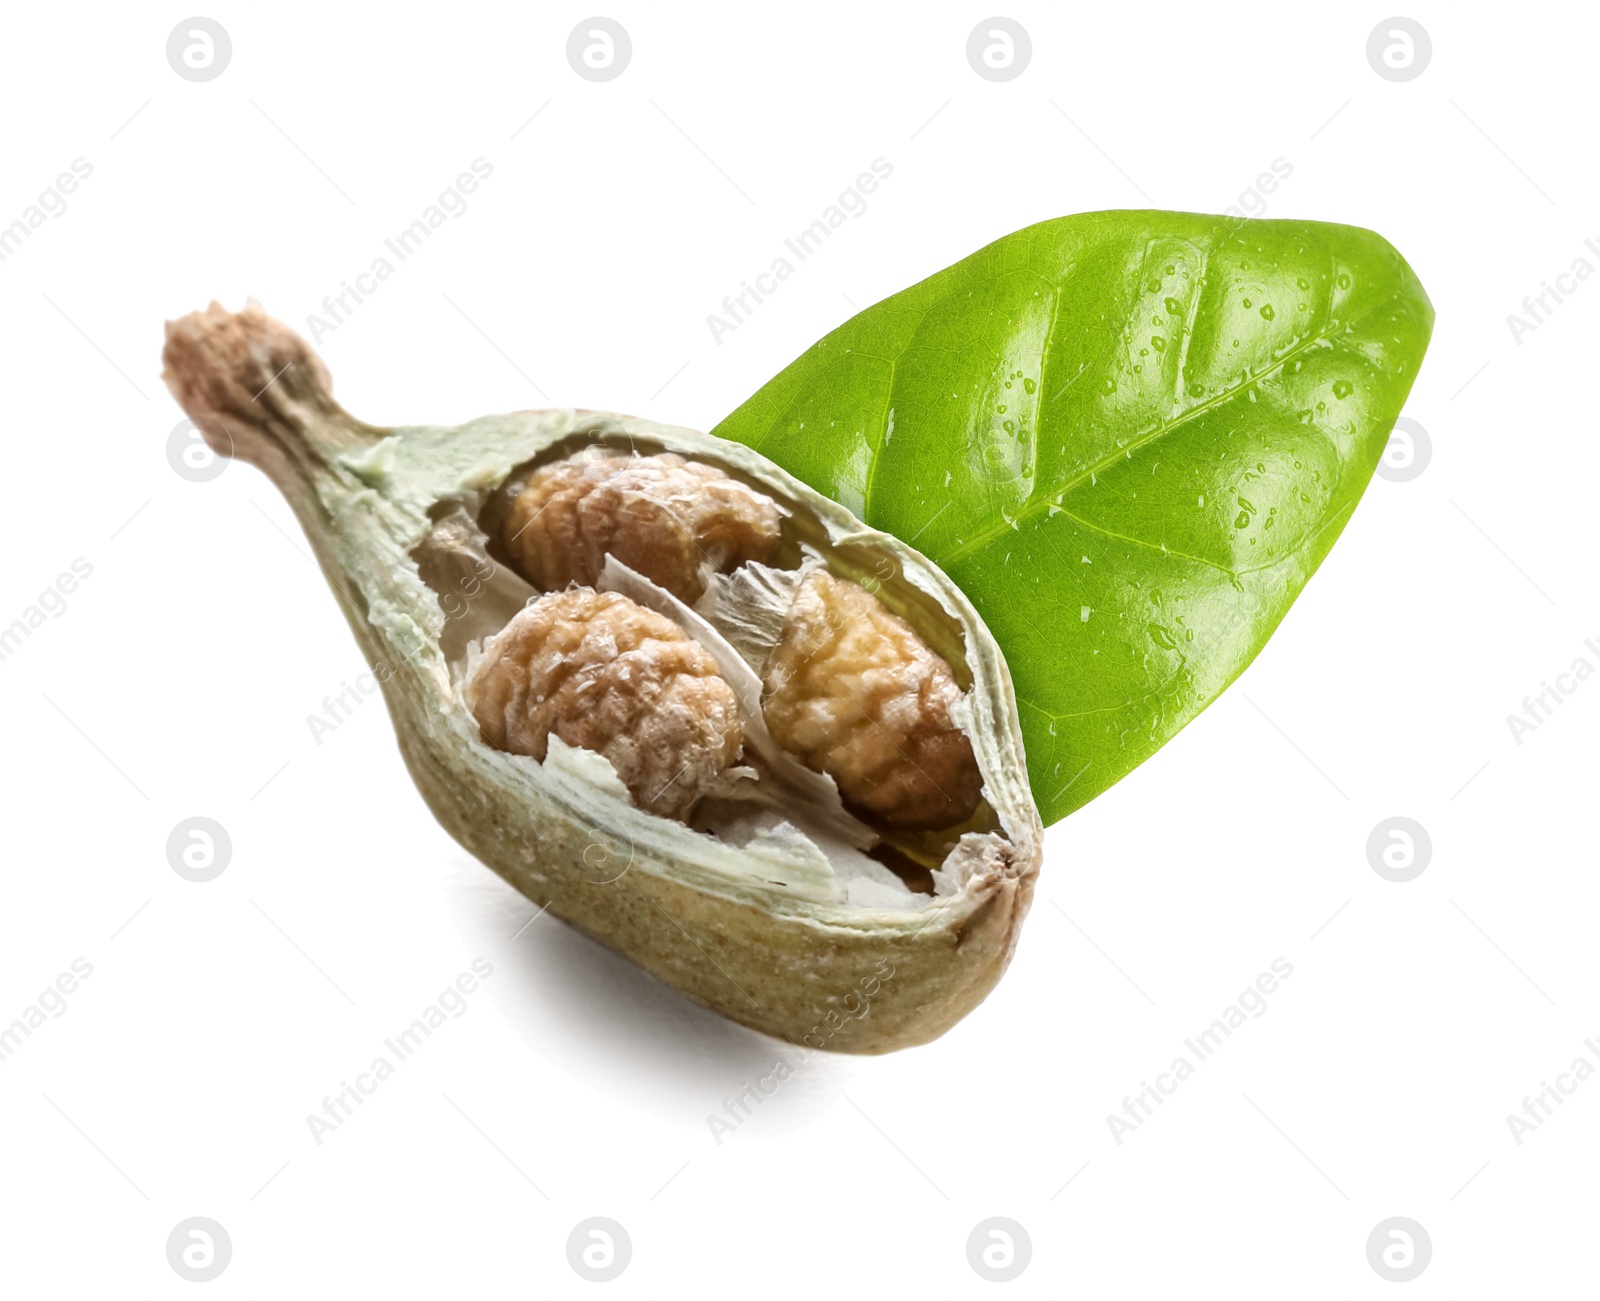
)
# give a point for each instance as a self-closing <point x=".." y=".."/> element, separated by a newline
<point x="256" y="391"/>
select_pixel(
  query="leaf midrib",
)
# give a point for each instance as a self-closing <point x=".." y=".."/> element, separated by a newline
<point x="1038" y="503"/>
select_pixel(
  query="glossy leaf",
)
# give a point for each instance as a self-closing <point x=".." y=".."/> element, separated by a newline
<point x="1130" y="437"/>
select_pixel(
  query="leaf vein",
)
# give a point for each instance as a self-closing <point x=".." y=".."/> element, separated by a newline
<point x="1041" y="503"/>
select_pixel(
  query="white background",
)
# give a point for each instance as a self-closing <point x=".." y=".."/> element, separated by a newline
<point x="179" y="678"/>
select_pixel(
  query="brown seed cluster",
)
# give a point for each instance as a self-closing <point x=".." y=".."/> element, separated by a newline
<point x="850" y="688"/>
<point x="605" y="674"/>
<point x="854" y="692"/>
<point x="662" y="516"/>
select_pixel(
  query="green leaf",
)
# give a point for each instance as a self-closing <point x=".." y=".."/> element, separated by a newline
<point x="1130" y="437"/>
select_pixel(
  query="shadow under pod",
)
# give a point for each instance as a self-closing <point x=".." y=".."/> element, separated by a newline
<point x="595" y="1015"/>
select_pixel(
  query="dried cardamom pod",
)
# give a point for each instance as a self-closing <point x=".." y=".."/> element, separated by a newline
<point x="695" y="708"/>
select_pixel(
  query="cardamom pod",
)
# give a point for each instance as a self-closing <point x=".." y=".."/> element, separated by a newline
<point x="569" y="609"/>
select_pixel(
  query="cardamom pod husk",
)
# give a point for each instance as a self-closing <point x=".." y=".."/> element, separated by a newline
<point x="774" y="904"/>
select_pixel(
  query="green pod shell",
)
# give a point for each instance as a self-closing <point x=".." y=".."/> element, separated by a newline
<point x="682" y="904"/>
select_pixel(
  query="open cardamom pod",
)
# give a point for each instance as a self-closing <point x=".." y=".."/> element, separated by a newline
<point x="694" y="707"/>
